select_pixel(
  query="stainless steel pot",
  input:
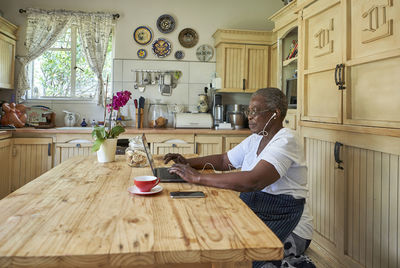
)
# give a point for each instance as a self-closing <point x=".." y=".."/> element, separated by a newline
<point x="237" y="119"/>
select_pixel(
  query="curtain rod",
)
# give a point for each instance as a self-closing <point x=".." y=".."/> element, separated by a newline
<point x="115" y="16"/>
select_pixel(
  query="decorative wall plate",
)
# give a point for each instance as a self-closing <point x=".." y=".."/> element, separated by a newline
<point x="204" y="52"/>
<point x="188" y="38"/>
<point x="161" y="47"/>
<point x="142" y="35"/>
<point x="165" y="23"/>
<point x="142" y="53"/>
<point x="179" y="55"/>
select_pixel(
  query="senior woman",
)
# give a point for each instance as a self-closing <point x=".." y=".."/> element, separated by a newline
<point x="273" y="176"/>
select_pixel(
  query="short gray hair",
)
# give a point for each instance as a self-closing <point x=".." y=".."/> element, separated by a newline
<point x="274" y="98"/>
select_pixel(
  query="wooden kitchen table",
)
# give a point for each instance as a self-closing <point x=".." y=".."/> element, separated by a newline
<point x="81" y="214"/>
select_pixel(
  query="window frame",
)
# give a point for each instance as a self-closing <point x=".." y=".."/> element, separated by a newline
<point x="73" y="50"/>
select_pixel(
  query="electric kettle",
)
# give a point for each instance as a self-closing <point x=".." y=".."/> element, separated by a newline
<point x="70" y="118"/>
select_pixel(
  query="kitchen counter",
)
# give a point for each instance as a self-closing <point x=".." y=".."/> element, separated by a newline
<point x="80" y="213"/>
<point x="130" y="130"/>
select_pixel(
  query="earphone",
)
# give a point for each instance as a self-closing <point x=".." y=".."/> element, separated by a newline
<point x="263" y="132"/>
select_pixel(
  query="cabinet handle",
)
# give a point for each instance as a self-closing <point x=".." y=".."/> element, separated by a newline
<point x="336" y="71"/>
<point x="244" y="84"/>
<point x="286" y="121"/>
<point x="341" y="77"/>
<point x="78" y="145"/>
<point x="174" y="145"/>
<point x="49" y="149"/>
<point x="337" y="154"/>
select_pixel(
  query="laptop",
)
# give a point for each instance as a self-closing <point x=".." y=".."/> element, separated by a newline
<point x="160" y="172"/>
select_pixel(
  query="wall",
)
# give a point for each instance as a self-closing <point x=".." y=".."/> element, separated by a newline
<point x="204" y="16"/>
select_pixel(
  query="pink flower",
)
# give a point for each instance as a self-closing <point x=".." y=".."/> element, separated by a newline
<point x="120" y="99"/>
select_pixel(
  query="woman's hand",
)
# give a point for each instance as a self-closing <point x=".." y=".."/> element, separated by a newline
<point x="186" y="172"/>
<point x="177" y="158"/>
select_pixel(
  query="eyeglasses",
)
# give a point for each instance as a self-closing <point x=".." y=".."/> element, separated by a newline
<point x="253" y="113"/>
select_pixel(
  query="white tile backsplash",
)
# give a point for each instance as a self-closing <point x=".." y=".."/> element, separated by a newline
<point x="195" y="76"/>
<point x="201" y="72"/>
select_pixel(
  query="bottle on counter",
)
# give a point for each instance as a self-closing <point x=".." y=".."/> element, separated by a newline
<point x="83" y="124"/>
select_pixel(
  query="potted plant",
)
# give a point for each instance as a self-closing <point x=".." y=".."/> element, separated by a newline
<point x="105" y="143"/>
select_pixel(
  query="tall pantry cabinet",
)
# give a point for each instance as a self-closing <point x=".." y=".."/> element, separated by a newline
<point x="350" y="124"/>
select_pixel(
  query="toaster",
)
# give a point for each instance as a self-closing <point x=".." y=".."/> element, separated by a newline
<point x="193" y="120"/>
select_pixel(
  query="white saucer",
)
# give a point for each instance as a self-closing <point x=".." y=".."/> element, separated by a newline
<point x="134" y="190"/>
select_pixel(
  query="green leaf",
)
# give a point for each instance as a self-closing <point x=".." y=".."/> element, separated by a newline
<point x="99" y="133"/>
<point x="96" y="145"/>
<point x="115" y="131"/>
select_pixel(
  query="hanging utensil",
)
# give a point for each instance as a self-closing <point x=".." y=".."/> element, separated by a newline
<point x="135" y="80"/>
<point x="141" y="87"/>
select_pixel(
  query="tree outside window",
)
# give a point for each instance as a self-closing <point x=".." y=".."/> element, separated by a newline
<point x="63" y="72"/>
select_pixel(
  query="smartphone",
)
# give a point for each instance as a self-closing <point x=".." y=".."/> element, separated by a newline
<point x="191" y="194"/>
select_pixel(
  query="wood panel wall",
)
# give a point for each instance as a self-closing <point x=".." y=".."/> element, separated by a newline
<point x="373" y="225"/>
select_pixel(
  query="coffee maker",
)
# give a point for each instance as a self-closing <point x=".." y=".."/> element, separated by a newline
<point x="218" y="109"/>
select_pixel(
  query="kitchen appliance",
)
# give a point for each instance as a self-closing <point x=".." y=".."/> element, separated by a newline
<point x="218" y="109"/>
<point x="193" y="120"/>
<point x="70" y="118"/>
<point x="237" y="117"/>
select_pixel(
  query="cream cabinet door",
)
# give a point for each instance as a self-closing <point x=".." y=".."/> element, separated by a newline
<point x="273" y="69"/>
<point x="373" y="63"/>
<point x="231" y="142"/>
<point x="64" y="151"/>
<point x="208" y="144"/>
<point x="326" y="196"/>
<point x="31" y="157"/>
<point x="322" y="33"/>
<point x="162" y="148"/>
<point x="5" y="154"/>
<point x="7" y="61"/>
<point x="256" y="67"/>
<point x="230" y="65"/>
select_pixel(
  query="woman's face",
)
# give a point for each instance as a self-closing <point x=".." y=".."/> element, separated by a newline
<point x="258" y="115"/>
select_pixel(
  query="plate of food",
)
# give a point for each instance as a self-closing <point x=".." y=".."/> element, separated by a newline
<point x="161" y="47"/>
<point x="165" y="23"/>
<point x="142" y="35"/>
<point x="188" y="37"/>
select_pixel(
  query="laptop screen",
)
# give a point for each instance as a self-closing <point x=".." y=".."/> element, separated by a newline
<point x="149" y="156"/>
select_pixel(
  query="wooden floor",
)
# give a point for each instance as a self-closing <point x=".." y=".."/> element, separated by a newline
<point x="321" y="258"/>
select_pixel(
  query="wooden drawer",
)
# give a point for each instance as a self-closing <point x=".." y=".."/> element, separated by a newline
<point x="290" y="121"/>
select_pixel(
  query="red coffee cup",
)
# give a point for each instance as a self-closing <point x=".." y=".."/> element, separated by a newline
<point x="146" y="183"/>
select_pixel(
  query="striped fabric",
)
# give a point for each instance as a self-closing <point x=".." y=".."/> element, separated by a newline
<point x="281" y="213"/>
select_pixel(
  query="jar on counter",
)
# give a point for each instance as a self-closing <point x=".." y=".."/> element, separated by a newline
<point x="158" y="115"/>
<point x="135" y="154"/>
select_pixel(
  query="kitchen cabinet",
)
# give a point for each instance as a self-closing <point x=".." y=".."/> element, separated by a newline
<point x="243" y="60"/>
<point x="67" y="146"/>
<point x="232" y="141"/>
<point x="273" y="70"/>
<point x="286" y="29"/>
<point x="5" y="154"/>
<point x="351" y="51"/>
<point x="208" y="144"/>
<point x="355" y="204"/>
<point x="8" y="37"/>
<point x="30" y="157"/>
<point x="171" y="143"/>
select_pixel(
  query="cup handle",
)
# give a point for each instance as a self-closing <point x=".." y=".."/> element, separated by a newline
<point x="158" y="181"/>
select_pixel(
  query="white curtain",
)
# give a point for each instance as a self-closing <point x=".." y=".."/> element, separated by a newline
<point x="43" y="30"/>
<point x="94" y="32"/>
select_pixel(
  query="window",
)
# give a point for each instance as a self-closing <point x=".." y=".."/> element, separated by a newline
<point x="63" y="72"/>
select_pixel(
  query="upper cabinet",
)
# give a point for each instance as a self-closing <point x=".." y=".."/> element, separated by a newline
<point x="351" y="53"/>
<point x="8" y="37"/>
<point x="243" y="59"/>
